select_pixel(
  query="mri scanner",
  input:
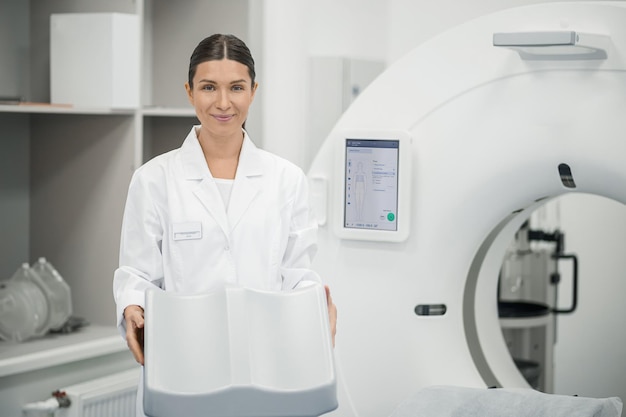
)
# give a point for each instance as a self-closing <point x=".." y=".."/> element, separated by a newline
<point x="423" y="182"/>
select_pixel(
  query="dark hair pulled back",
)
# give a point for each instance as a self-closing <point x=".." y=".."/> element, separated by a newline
<point x="217" y="47"/>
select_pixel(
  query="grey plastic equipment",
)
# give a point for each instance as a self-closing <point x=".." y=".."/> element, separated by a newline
<point x="238" y="353"/>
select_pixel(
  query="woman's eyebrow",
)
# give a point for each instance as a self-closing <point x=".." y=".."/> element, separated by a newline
<point x="204" y="80"/>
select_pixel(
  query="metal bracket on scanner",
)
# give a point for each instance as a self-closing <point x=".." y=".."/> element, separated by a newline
<point x="554" y="46"/>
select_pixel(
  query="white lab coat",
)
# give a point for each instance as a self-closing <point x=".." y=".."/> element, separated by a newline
<point x="177" y="234"/>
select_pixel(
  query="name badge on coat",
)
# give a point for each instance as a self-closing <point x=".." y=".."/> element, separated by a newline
<point x="187" y="230"/>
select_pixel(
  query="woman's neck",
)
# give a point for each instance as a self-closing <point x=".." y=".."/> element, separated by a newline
<point x="221" y="153"/>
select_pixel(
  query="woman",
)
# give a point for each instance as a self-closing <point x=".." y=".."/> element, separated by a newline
<point x="217" y="211"/>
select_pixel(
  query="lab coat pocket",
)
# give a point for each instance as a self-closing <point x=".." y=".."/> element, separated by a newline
<point x="185" y="246"/>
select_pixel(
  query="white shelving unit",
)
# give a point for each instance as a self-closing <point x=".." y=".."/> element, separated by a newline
<point x="64" y="171"/>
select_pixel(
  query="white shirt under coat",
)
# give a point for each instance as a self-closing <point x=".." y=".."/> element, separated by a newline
<point x="178" y="235"/>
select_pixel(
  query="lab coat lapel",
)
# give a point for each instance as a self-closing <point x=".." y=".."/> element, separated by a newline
<point x="247" y="182"/>
<point x="205" y="189"/>
<point x="211" y="199"/>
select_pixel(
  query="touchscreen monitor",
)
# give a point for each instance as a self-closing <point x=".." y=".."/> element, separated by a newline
<point x="373" y="188"/>
<point x="371" y="184"/>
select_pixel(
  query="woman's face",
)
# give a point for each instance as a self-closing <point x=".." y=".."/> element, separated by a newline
<point x="222" y="93"/>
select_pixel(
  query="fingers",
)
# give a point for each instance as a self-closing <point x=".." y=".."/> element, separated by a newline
<point x="134" y="331"/>
<point x="134" y="340"/>
<point x="332" y="313"/>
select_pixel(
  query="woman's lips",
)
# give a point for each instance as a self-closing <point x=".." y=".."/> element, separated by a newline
<point x="223" y="117"/>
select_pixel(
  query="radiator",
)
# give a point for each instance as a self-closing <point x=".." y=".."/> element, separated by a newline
<point x="110" y="396"/>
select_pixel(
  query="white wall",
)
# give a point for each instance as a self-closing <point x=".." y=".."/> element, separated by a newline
<point x="294" y="31"/>
<point x="412" y="22"/>
<point x="282" y="78"/>
<point x="589" y="352"/>
<point x="349" y="28"/>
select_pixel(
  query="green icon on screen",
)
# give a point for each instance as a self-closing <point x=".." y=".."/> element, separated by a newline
<point x="391" y="217"/>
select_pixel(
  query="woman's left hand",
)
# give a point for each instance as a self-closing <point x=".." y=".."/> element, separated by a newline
<point x="332" y="314"/>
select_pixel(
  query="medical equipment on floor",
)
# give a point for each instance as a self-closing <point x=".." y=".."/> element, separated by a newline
<point x="239" y="353"/>
<point x="459" y="142"/>
<point x="34" y="301"/>
<point x="528" y="304"/>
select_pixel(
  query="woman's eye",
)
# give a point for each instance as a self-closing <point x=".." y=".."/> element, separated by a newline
<point x="237" y="88"/>
<point x="208" y="87"/>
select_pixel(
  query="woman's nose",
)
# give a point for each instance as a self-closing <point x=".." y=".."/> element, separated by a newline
<point x="223" y="100"/>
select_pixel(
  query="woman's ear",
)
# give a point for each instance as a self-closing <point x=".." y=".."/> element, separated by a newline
<point x="189" y="93"/>
<point x="254" y="87"/>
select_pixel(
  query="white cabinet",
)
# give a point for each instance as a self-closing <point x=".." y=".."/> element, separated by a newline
<point x="94" y="59"/>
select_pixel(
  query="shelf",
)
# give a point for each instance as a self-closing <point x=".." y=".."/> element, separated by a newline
<point x="60" y="109"/>
<point x="68" y="109"/>
<point x="90" y="342"/>
<point x="169" y="111"/>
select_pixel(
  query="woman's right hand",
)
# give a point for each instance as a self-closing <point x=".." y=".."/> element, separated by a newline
<point x="133" y="315"/>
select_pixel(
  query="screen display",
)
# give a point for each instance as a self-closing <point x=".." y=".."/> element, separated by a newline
<point x="371" y="188"/>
